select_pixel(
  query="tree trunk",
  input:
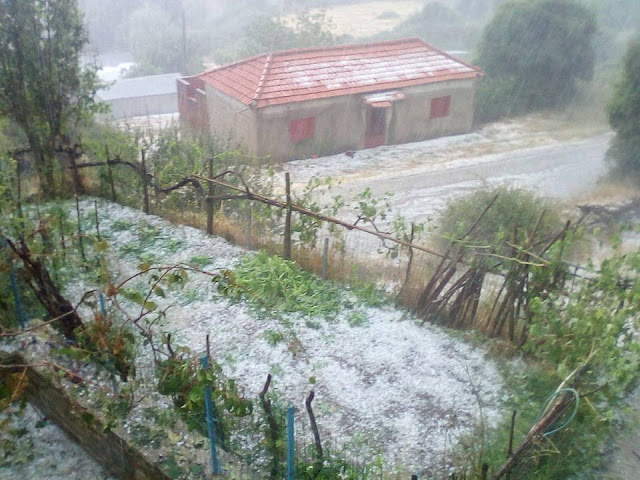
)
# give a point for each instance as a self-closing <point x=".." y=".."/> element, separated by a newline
<point x="47" y="292"/>
<point x="44" y="166"/>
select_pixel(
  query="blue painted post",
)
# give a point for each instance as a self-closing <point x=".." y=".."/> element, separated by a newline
<point x="210" y="421"/>
<point x="103" y="311"/>
<point x="290" y="445"/>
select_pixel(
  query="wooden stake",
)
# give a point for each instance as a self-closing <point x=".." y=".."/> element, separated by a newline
<point x="273" y="430"/>
<point x="80" y="241"/>
<point x="250" y="227"/>
<point x="19" y="189"/>
<point x="287" y="221"/>
<point x="95" y="207"/>
<point x="325" y="259"/>
<point x="110" y="176"/>
<point x="314" y="427"/>
<point x="510" y="447"/>
<point x="538" y="429"/>
<point x="145" y="190"/>
<point x="77" y="184"/>
<point x="211" y="191"/>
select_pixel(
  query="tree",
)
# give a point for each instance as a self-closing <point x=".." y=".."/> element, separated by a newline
<point x="160" y="42"/>
<point x="268" y="34"/>
<point x="43" y="88"/>
<point x="440" y="25"/>
<point x="534" y="53"/>
<point x="624" y="115"/>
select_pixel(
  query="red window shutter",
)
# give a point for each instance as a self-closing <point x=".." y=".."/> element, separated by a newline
<point x="440" y="107"/>
<point x="302" y="129"/>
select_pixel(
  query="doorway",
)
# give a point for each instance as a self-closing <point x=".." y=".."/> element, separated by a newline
<point x="375" y="134"/>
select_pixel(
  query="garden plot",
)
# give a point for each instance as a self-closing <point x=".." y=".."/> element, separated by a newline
<point x="385" y="386"/>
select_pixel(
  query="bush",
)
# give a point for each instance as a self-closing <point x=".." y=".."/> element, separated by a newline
<point x="515" y="211"/>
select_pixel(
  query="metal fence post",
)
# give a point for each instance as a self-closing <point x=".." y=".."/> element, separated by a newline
<point x="290" y="445"/>
<point x="210" y="421"/>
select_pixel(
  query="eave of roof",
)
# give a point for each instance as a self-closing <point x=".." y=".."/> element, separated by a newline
<point x="307" y="74"/>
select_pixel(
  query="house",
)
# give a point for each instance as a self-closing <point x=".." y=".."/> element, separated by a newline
<point x="141" y="96"/>
<point x="299" y="103"/>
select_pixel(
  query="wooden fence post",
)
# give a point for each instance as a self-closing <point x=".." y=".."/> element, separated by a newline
<point x="209" y="200"/>
<point x="95" y="207"/>
<point x="19" y="193"/>
<point x="77" y="183"/>
<point x="287" y="221"/>
<point x="314" y="429"/>
<point x="250" y="227"/>
<point x="510" y="447"/>
<point x="80" y="240"/>
<point x="485" y="471"/>
<point x="145" y="190"/>
<point x="110" y="176"/>
<point x="325" y="259"/>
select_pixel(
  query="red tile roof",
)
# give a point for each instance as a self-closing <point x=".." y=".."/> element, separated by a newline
<point x="307" y="74"/>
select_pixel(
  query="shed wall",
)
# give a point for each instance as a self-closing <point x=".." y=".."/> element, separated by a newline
<point x="340" y="122"/>
<point x="339" y="126"/>
<point x="142" y="106"/>
<point x="231" y="122"/>
<point x="411" y="120"/>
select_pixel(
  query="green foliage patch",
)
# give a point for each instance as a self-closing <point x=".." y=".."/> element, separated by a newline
<point x="514" y="212"/>
<point x="624" y="116"/>
<point x="533" y="54"/>
<point x="279" y="285"/>
<point x="183" y="378"/>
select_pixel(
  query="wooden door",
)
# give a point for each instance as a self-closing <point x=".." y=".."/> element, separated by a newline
<point x="375" y="134"/>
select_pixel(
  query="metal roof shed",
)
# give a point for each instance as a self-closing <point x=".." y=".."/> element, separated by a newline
<point x="141" y="96"/>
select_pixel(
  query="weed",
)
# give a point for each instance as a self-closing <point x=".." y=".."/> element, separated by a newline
<point x="311" y="324"/>
<point x="273" y="337"/>
<point x="174" y="245"/>
<point x="190" y="296"/>
<point x="121" y="225"/>
<point x="357" y="319"/>
<point x="370" y="295"/>
<point x="276" y="284"/>
<point x="200" y="261"/>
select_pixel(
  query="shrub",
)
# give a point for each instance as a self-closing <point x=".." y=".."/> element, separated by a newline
<point x="514" y="212"/>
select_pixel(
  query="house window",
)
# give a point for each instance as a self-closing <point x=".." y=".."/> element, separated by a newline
<point x="440" y="107"/>
<point x="302" y="129"/>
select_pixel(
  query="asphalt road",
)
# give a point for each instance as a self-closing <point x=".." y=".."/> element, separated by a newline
<point x="561" y="170"/>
